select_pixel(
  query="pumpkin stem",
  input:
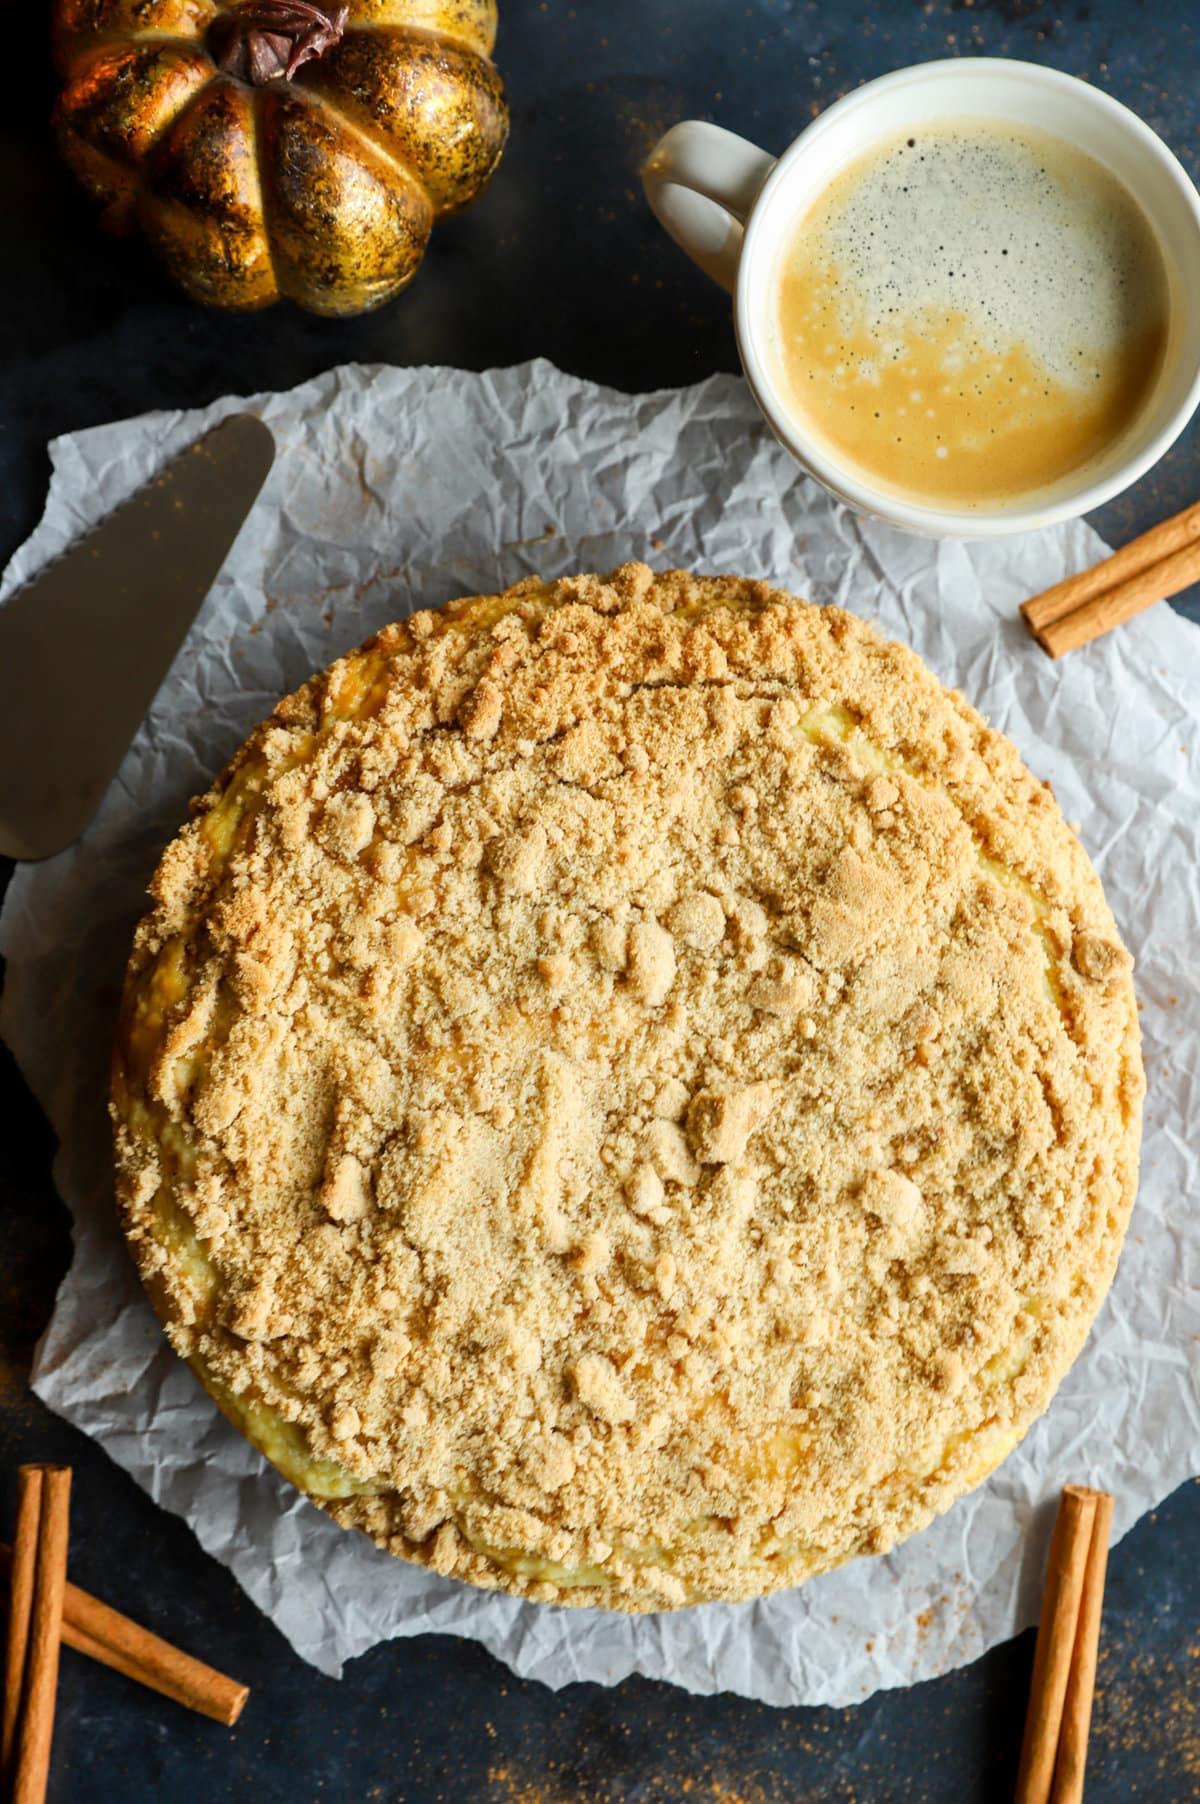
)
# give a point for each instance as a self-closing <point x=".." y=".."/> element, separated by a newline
<point x="268" y="40"/>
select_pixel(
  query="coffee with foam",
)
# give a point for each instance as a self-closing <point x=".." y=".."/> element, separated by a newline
<point x="970" y="314"/>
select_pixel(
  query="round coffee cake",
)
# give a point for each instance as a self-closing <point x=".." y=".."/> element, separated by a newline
<point x="628" y="1091"/>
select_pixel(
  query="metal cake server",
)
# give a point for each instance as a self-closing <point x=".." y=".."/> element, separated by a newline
<point x="86" y="643"/>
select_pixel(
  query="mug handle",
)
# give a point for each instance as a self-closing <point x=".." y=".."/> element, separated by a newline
<point x="701" y="182"/>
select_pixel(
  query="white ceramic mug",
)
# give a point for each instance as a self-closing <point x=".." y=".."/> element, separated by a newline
<point x="732" y="207"/>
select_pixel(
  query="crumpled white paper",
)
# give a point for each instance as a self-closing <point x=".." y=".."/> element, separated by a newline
<point x="395" y="489"/>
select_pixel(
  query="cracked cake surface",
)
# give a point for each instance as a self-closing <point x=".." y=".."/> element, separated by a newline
<point x="628" y="1090"/>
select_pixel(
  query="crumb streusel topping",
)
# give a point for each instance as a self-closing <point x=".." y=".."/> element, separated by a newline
<point x="628" y="1090"/>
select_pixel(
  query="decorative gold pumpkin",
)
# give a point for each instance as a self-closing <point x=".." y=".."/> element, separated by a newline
<point x="279" y="147"/>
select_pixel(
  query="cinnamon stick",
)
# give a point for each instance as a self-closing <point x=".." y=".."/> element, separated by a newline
<point x="103" y="1634"/>
<point x="20" y="1609"/>
<point x="1151" y="568"/>
<point x="1081" y="1682"/>
<point x="1141" y="554"/>
<point x="1117" y="605"/>
<point x="1061" y="1596"/>
<point x="127" y="1647"/>
<point x="41" y="1656"/>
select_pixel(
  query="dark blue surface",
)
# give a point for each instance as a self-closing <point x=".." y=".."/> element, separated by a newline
<point x="560" y="260"/>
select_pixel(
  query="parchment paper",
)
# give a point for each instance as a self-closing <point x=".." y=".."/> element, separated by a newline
<point x="401" y="488"/>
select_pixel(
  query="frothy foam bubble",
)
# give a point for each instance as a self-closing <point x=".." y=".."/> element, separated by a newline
<point x="971" y="313"/>
<point x="1034" y="241"/>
